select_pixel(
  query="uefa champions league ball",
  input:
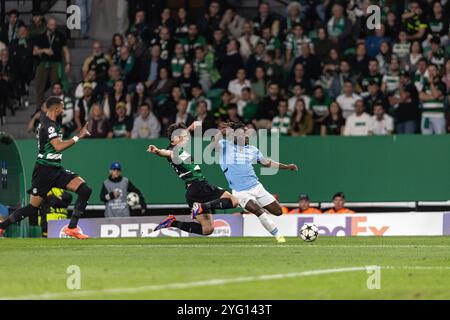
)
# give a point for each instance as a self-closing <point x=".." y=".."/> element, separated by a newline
<point x="132" y="199"/>
<point x="309" y="232"/>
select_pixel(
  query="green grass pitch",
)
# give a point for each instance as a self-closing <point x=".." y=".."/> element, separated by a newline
<point x="226" y="268"/>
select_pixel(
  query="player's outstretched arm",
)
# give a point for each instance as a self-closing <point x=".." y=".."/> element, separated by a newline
<point x="269" y="163"/>
<point x="159" y="152"/>
<point x="61" y="145"/>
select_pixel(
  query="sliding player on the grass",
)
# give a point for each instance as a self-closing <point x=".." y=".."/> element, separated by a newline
<point x="197" y="187"/>
<point x="49" y="173"/>
<point x="236" y="160"/>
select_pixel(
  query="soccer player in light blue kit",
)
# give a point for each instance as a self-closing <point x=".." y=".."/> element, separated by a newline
<point x="236" y="160"/>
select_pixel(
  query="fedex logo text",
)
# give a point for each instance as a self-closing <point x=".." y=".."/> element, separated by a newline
<point x="352" y="226"/>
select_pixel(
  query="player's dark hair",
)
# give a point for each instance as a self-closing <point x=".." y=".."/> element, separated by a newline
<point x="173" y="127"/>
<point x="53" y="101"/>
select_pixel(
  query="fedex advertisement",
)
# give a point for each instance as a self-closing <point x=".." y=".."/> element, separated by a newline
<point x="345" y="225"/>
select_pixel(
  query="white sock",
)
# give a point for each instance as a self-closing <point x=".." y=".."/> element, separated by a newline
<point x="269" y="225"/>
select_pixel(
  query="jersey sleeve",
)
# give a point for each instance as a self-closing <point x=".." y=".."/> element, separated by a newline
<point x="258" y="155"/>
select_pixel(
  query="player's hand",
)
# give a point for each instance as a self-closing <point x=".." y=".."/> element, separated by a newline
<point x="152" y="149"/>
<point x="84" y="132"/>
<point x="292" y="167"/>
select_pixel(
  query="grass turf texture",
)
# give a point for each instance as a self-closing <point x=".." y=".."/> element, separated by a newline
<point x="36" y="268"/>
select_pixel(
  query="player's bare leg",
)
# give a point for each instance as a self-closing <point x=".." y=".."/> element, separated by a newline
<point x="204" y="226"/>
<point x="253" y="207"/>
<point x="226" y="201"/>
<point x="274" y="208"/>
<point x="31" y="209"/>
<point x="79" y="186"/>
<point x="207" y="223"/>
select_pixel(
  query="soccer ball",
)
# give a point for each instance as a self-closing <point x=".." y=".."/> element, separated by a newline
<point x="309" y="232"/>
<point x="132" y="199"/>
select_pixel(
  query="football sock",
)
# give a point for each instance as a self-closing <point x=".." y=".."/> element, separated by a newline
<point x="84" y="193"/>
<point x="19" y="215"/>
<point x="222" y="203"/>
<point x="269" y="225"/>
<point x="190" y="227"/>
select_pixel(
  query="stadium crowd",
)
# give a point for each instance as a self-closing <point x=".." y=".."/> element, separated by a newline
<point x="317" y="70"/>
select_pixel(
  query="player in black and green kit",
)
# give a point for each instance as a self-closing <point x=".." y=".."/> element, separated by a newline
<point x="48" y="172"/>
<point x="198" y="190"/>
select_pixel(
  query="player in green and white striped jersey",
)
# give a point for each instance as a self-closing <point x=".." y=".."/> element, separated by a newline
<point x="48" y="172"/>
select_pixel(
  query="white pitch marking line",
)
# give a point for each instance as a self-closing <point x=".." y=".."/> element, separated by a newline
<point x="274" y="245"/>
<point x="184" y="285"/>
<point x="212" y="282"/>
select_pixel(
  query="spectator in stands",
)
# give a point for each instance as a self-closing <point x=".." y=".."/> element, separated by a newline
<point x="21" y="56"/>
<point x="298" y="93"/>
<point x="248" y="41"/>
<point x="187" y="80"/>
<point x="205" y="68"/>
<point x="192" y="41"/>
<point x="204" y="116"/>
<point x="259" y="84"/>
<point x="247" y="107"/>
<point x="83" y="106"/>
<point x="322" y="45"/>
<point x="121" y="125"/>
<point x="310" y="62"/>
<point x="53" y="53"/>
<point x="140" y="27"/>
<point x="373" y="42"/>
<point x="181" y="24"/>
<point x="232" y="114"/>
<point x="281" y="122"/>
<point x="334" y="123"/>
<point x="225" y="103"/>
<point x="99" y="62"/>
<point x="319" y="106"/>
<point x="165" y="42"/>
<point x="232" y="23"/>
<point x="402" y="47"/>
<point x="339" y="204"/>
<point x="118" y="41"/>
<point x="7" y="78"/>
<point x="347" y="99"/>
<point x="339" y="28"/>
<point x="373" y="75"/>
<point x="271" y="42"/>
<point x="265" y="19"/>
<point x="432" y="98"/>
<point x="230" y="63"/>
<point x="360" y="61"/>
<point x="436" y="55"/>
<point x="414" y="56"/>
<point x="38" y="24"/>
<point x="304" y="206"/>
<point x="274" y="71"/>
<point x="86" y="8"/>
<point x="197" y="96"/>
<point x="10" y="30"/>
<point x="161" y="88"/>
<point x="294" y="43"/>
<point x="235" y="86"/>
<point x="146" y="125"/>
<point x="413" y="21"/>
<point x="210" y="20"/>
<point x="384" y="57"/>
<point x="380" y="123"/>
<point x="256" y="59"/>
<point x="302" y="123"/>
<point x="98" y="125"/>
<point x="114" y="193"/>
<point x="166" y="111"/>
<point x="178" y="60"/>
<point x="298" y="76"/>
<point x="407" y="114"/>
<point x="137" y="49"/>
<point x="374" y="96"/>
<point x="182" y="114"/>
<point x="293" y="17"/>
<point x="341" y="76"/>
<point x="113" y="98"/>
<point x="358" y="123"/>
<point x="267" y="108"/>
<point x="127" y="64"/>
<point x="90" y="77"/>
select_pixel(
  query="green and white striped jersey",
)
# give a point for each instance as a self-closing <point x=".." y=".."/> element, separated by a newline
<point x="433" y="108"/>
<point x="46" y="132"/>
<point x="184" y="166"/>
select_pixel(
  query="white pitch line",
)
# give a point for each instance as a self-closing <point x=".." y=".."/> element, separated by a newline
<point x="184" y="285"/>
<point x="274" y="245"/>
<point x="213" y="282"/>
